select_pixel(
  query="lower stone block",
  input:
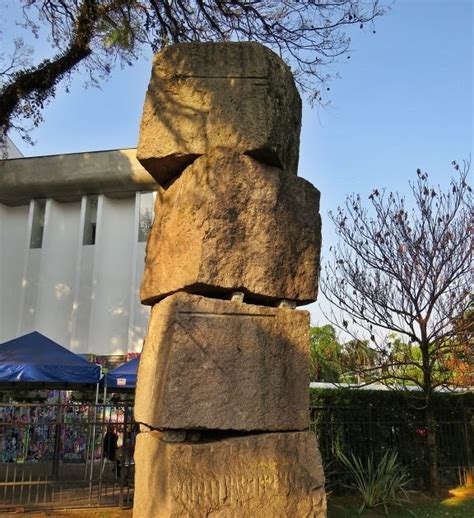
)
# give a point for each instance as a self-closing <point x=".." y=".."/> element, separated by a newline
<point x="222" y="365"/>
<point x="276" y="475"/>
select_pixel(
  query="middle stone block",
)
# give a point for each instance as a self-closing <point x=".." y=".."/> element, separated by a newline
<point x="221" y="365"/>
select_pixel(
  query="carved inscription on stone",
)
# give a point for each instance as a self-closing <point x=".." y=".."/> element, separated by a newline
<point x="277" y="474"/>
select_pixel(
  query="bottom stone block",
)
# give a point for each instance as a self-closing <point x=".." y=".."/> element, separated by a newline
<point x="273" y="475"/>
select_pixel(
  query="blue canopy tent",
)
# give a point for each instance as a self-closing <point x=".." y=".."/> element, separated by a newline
<point x="123" y="377"/>
<point x="33" y="360"/>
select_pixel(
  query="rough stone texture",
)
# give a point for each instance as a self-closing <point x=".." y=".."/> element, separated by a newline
<point x="202" y="95"/>
<point x="221" y="365"/>
<point x="269" y="475"/>
<point x="231" y="223"/>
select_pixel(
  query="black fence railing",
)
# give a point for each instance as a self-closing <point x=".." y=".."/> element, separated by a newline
<point x="66" y="455"/>
<point x="366" y="436"/>
<point x="78" y="455"/>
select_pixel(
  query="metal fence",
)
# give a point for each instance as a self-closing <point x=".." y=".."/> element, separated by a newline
<point x="368" y="436"/>
<point x="53" y="456"/>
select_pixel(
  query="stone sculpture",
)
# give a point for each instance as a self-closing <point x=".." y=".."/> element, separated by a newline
<point x="222" y="393"/>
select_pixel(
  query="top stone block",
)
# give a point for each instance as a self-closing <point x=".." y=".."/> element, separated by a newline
<point x="206" y="95"/>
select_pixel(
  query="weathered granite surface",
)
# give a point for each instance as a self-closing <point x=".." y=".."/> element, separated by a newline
<point x="232" y="223"/>
<point x="276" y="475"/>
<point x="205" y="95"/>
<point x="222" y="396"/>
<point x="221" y="365"/>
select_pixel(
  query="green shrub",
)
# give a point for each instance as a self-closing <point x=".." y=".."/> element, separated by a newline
<point x="369" y="422"/>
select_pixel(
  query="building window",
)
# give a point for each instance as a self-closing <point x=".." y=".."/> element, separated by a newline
<point x="37" y="226"/>
<point x="145" y="220"/>
<point x="90" y="221"/>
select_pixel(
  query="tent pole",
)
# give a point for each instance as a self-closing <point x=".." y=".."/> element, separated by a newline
<point x="91" y="473"/>
<point x="57" y="438"/>
<point x="88" y="443"/>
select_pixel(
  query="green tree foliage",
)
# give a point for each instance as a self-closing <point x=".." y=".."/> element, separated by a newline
<point x="333" y="362"/>
<point x="407" y="272"/>
<point x="359" y="360"/>
<point x="325" y="355"/>
<point x="98" y="34"/>
<point x="405" y="356"/>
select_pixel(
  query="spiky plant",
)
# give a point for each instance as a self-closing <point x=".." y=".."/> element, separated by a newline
<point x="380" y="483"/>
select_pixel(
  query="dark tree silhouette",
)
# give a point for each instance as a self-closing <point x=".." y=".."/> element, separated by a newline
<point x="97" y="34"/>
<point x="401" y="272"/>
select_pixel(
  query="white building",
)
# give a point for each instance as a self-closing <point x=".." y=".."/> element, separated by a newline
<point x="72" y="246"/>
<point x="8" y="148"/>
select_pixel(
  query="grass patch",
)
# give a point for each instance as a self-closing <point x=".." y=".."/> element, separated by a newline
<point x="422" y="506"/>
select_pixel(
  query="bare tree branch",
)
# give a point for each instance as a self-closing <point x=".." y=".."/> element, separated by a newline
<point x="96" y="34"/>
<point x="408" y="273"/>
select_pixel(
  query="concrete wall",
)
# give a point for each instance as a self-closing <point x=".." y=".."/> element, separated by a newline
<point x="68" y="177"/>
<point x="13" y="247"/>
<point x="85" y="297"/>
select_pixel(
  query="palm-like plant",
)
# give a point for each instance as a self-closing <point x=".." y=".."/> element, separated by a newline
<point x="380" y="483"/>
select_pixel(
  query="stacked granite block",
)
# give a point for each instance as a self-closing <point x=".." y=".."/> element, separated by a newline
<point x="222" y="394"/>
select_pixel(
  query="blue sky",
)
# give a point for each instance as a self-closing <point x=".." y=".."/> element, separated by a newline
<point x="404" y="100"/>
